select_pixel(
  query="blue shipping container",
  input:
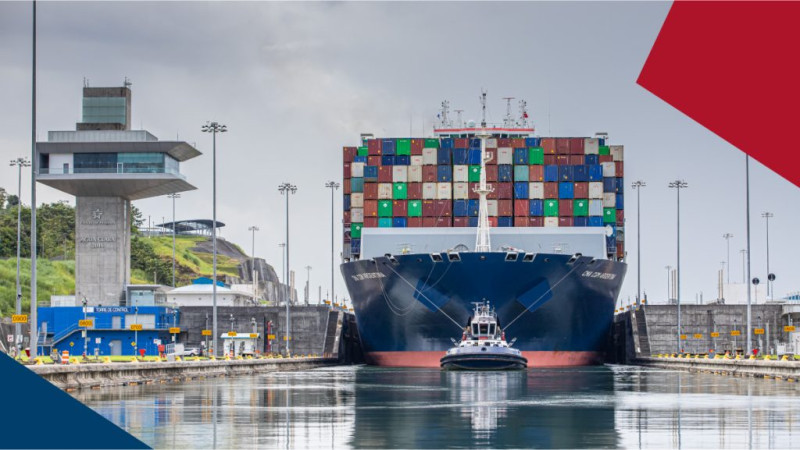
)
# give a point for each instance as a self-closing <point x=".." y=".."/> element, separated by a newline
<point x="520" y="156"/>
<point x="474" y="156"/>
<point x="475" y="143"/>
<point x="566" y="173"/>
<point x="602" y="141"/>
<point x="619" y="186"/>
<point x="443" y="156"/>
<point x="459" y="156"/>
<point x="355" y="246"/>
<point x="446" y="143"/>
<point x="592" y="159"/>
<point x="473" y="209"/>
<point x="532" y="142"/>
<point x="595" y="172"/>
<point x="580" y="221"/>
<point x="371" y="173"/>
<point x="402" y="160"/>
<point x="399" y="222"/>
<point x="536" y="208"/>
<point x="444" y="174"/>
<point x="551" y="173"/>
<point x="387" y="147"/>
<point x="473" y="221"/>
<point x="460" y="208"/>
<point x="620" y="204"/>
<point x="521" y="190"/>
<point x="504" y="172"/>
<point x="385" y="222"/>
<point x="356" y="185"/>
<point x="595" y="221"/>
<point x="566" y="189"/>
<point x="609" y="184"/>
<point x="360" y="159"/>
<point x="387" y="160"/>
<point x="505" y="221"/>
<point x="347" y="202"/>
<point x="581" y="173"/>
<point x="521" y="173"/>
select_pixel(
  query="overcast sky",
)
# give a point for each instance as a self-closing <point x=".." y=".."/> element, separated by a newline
<point x="296" y="82"/>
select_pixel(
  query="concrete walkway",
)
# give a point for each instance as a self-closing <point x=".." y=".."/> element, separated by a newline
<point x="786" y="370"/>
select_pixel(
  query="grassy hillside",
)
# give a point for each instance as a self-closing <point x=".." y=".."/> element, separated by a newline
<point x="189" y="263"/>
<point x="53" y="278"/>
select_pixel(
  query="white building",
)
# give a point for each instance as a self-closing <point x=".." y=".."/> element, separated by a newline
<point x="201" y="295"/>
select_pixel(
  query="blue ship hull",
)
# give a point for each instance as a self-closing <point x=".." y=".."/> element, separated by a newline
<point x="558" y="307"/>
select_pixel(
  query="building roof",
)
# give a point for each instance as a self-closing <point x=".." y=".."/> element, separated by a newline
<point x="185" y="226"/>
<point x="206" y="289"/>
<point x="179" y="150"/>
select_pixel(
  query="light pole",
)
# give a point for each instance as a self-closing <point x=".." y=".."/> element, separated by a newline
<point x="34" y="327"/>
<point x="286" y="189"/>
<point x="282" y="245"/>
<point x="678" y="185"/>
<point x="333" y="186"/>
<point x="727" y="237"/>
<point x="747" y="213"/>
<point x="744" y="264"/>
<point x="19" y="163"/>
<point x="669" y="268"/>
<point x="308" y="283"/>
<point x="638" y="185"/>
<point x="253" y="260"/>
<point x="768" y="215"/>
<point x="214" y="128"/>
<point x="85" y="329"/>
<point x="173" y="196"/>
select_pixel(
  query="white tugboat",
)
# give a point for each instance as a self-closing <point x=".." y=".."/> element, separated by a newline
<point x="483" y="345"/>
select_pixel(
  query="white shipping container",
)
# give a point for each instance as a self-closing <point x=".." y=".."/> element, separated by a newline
<point x="357" y="200"/>
<point x="384" y="191"/>
<point x="356" y="215"/>
<point x="596" y="189"/>
<point x="400" y="174"/>
<point x="444" y="191"/>
<point x="491" y="143"/>
<point x="536" y="190"/>
<point x="461" y="191"/>
<point x="416" y="160"/>
<point x="596" y="208"/>
<point x="460" y="174"/>
<point x="616" y="152"/>
<point x="415" y="174"/>
<point x="591" y="146"/>
<point x="609" y="169"/>
<point x="491" y="207"/>
<point x="429" y="191"/>
<point x="357" y="170"/>
<point x="429" y="156"/>
<point x="609" y="200"/>
<point x="551" y="221"/>
<point x="505" y="155"/>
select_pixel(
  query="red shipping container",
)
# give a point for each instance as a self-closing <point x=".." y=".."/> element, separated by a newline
<point x="565" y="208"/>
<point x="493" y="156"/>
<point x="505" y="190"/>
<point x="492" y="195"/>
<point x="503" y="142"/>
<point x="606" y="158"/>
<point x="562" y="146"/>
<point x="620" y="250"/>
<point x="460" y="143"/>
<point x="414" y="191"/>
<point x="370" y="191"/>
<point x="565" y="221"/>
<point x="576" y="160"/>
<point x="581" y="190"/>
<point x="549" y="160"/>
<point x="444" y="222"/>
<point x="549" y="146"/>
<point x="346" y="186"/>
<point x="370" y="209"/>
<point x="550" y="190"/>
<point x="491" y="173"/>
<point x="384" y="174"/>
<point x="505" y="208"/>
<point x="460" y="221"/>
<point x="518" y="142"/>
<point x="618" y="166"/>
<point x="536" y="173"/>
<point x="417" y="145"/>
<point x="521" y="207"/>
<point x="428" y="208"/>
<point x="429" y="222"/>
<point x="373" y="160"/>
<point x="350" y="153"/>
<point x="472" y="195"/>
<point x="493" y="222"/>
<point x="346" y="170"/>
<point x="346" y="217"/>
<point x="414" y="222"/>
<point x="399" y="208"/>
<point x="620" y="218"/>
<point x="374" y="147"/>
<point x="562" y="160"/>
<point x="429" y="174"/>
<point x="536" y="221"/>
<point x="444" y="208"/>
<point x="576" y="146"/>
<point x="370" y="222"/>
<point x="520" y="221"/>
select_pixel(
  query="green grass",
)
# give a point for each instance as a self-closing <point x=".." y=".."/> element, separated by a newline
<point x="53" y="278"/>
<point x="199" y="264"/>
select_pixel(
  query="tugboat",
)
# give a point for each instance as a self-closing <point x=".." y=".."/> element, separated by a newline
<point x="483" y="345"/>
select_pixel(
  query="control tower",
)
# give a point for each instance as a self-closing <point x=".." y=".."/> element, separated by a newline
<point x="106" y="165"/>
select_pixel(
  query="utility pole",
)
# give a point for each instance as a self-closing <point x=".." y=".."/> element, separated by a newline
<point x="747" y="213"/>
<point x="744" y="265"/>
<point x="638" y="185"/>
<point x="768" y="215"/>
<point x="286" y="189"/>
<point x="34" y="325"/>
<point x="727" y="237"/>
<point x="173" y="196"/>
<point x="19" y="163"/>
<point x="333" y="186"/>
<point x="678" y="185"/>
<point x="283" y="291"/>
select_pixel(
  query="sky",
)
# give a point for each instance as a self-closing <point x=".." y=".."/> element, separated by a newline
<point x="295" y="82"/>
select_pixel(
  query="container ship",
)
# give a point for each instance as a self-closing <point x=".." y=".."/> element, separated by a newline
<point x="534" y="225"/>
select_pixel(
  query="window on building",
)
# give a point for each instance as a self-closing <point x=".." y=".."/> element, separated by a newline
<point x="104" y="110"/>
<point x="95" y="162"/>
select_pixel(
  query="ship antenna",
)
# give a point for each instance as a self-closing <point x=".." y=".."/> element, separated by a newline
<point x="483" y="240"/>
<point x="445" y="112"/>
<point x="523" y="114"/>
<point x="459" y="120"/>
<point x="508" y="122"/>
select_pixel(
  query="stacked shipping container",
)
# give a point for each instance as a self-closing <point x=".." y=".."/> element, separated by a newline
<point x="538" y="182"/>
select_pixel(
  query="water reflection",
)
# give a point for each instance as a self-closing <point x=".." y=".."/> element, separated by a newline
<point x="415" y="408"/>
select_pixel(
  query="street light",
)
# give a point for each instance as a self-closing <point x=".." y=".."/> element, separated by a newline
<point x="308" y="284"/>
<point x="678" y="185"/>
<point x="19" y="163"/>
<point x="253" y="260"/>
<point x="333" y="186"/>
<point x="214" y="128"/>
<point x="727" y="237"/>
<point x="768" y="215"/>
<point x="173" y="196"/>
<point x="286" y="189"/>
<point x="282" y="245"/>
<point x="744" y="264"/>
<point x="669" y="268"/>
<point x="747" y="216"/>
<point x="638" y="185"/>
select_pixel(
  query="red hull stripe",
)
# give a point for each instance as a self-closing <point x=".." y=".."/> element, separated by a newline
<point x="535" y="359"/>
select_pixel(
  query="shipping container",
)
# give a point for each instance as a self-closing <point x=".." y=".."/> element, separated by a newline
<point x="385" y="191"/>
<point x="417" y="145"/>
<point x="460" y="174"/>
<point x="461" y="143"/>
<point x="388" y="147"/>
<point x="429" y="174"/>
<point x="492" y="173"/>
<point x="444" y="208"/>
<point x="474" y="156"/>
<point x="370" y="222"/>
<point x="357" y="215"/>
<point x="414" y="208"/>
<point x="551" y="190"/>
<point x="550" y="173"/>
<point x="551" y="208"/>
<point x="491" y="143"/>
<point x="565" y="222"/>
<point x="535" y="173"/>
<point x="414" y="174"/>
<point x="399" y="208"/>
<point x="348" y="171"/>
<point x="566" y="190"/>
<point x="505" y="156"/>
<point x="581" y="173"/>
<point x="566" y="173"/>
<point x="385" y="174"/>
<point x="532" y="142"/>
<point x="374" y="146"/>
<point x="399" y="222"/>
<point x="399" y="191"/>
<point x="521" y="173"/>
<point x="371" y="191"/>
<point x="429" y="156"/>
<point x="384" y="222"/>
<point x="609" y="184"/>
<point x="521" y="190"/>
<point x="536" y="221"/>
<point x="346" y="202"/>
<point x="580" y="207"/>
<point x="444" y="174"/>
<point x="402" y="160"/>
<point x="596" y="190"/>
<point x="505" y="222"/>
<point x="620" y="218"/>
<point x="444" y="156"/>
<point x="576" y="146"/>
<point x="577" y="160"/>
<point x="387" y="160"/>
<point x="521" y="221"/>
<point x="620" y="204"/>
<point x="578" y="221"/>
<point x="429" y="191"/>
<point x="595" y="221"/>
<point x="355" y="230"/>
<point x="504" y="191"/>
<point x="536" y="190"/>
<point x="444" y="191"/>
<point x="414" y="191"/>
<point x="609" y="215"/>
<point x="551" y="221"/>
<point x="549" y="146"/>
<point x="491" y="207"/>
<point x="536" y="155"/>
<point x="357" y="200"/>
<point x="370" y="209"/>
<point x="565" y="207"/>
<point x="471" y="194"/>
<point x="434" y="143"/>
<point x="616" y="152"/>
<point x="415" y="222"/>
<point x="521" y="207"/>
<point x="356" y="185"/>
<point x="403" y="147"/>
<point x="370" y="174"/>
<point x="460" y="208"/>
<point x="604" y="150"/>
<point x="417" y="160"/>
<point x="609" y="169"/>
<point x="618" y="169"/>
<point x="535" y="208"/>
<point x="591" y="146"/>
<point x="521" y="156"/>
<point x="461" y="191"/>
<point x="445" y="143"/>
<point x="550" y="160"/>
<point x="384" y="207"/>
<point x="400" y="174"/>
<point x="460" y="221"/>
<point x="474" y="173"/>
<point x="605" y="158"/>
<point x="362" y="151"/>
<point x="609" y="200"/>
<point x="504" y="173"/>
<point x="473" y="206"/>
<point x="596" y="208"/>
<point x="591" y="160"/>
<point x="562" y="160"/>
<point x="350" y="153"/>
<point x="460" y="156"/>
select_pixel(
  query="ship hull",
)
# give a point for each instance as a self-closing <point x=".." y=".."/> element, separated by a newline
<point x="559" y="308"/>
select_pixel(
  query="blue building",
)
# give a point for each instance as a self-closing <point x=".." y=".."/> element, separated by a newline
<point x="110" y="333"/>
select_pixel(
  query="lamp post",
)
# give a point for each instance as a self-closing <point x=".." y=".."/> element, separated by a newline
<point x="214" y="128"/>
<point x="768" y="215"/>
<point x="747" y="214"/>
<point x="308" y="284"/>
<point x="85" y="329"/>
<point x="727" y="237"/>
<point x="744" y="264"/>
<point x="333" y="186"/>
<point x="678" y="185"/>
<point x="638" y="185"/>
<point x="34" y="324"/>
<point x="286" y="189"/>
<point x="173" y="196"/>
<point x="282" y="245"/>
<point x="669" y="268"/>
<point x="253" y="229"/>
<point x="19" y="163"/>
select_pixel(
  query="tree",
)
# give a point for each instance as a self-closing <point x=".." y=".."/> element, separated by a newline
<point x="3" y="196"/>
<point x="136" y="220"/>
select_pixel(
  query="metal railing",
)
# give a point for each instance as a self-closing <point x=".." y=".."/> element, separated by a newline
<point x="107" y="170"/>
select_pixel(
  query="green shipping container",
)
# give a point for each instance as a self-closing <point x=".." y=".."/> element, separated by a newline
<point x="385" y="208"/>
<point x="385" y="223"/>
<point x="403" y="147"/>
<point x="551" y="208"/>
<point x="580" y="208"/>
<point x="535" y="155"/>
<point x="474" y="174"/>
<point x="609" y="215"/>
<point x="431" y="143"/>
<point x="399" y="192"/>
<point x="355" y="230"/>
<point x="363" y="151"/>
<point x="604" y="150"/>
<point x="415" y="208"/>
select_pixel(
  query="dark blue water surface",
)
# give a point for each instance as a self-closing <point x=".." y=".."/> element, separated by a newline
<point x="423" y="408"/>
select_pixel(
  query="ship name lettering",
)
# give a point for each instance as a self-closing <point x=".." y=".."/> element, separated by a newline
<point x="600" y="275"/>
<point x="367" y="276"/>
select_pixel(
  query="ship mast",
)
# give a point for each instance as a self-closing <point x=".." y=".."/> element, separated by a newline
<point x="483" y="240"/>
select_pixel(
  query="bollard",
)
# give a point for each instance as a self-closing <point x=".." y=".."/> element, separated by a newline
<point x="65" y="357"/>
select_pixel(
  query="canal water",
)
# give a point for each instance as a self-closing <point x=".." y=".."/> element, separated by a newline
<point x="615" y="406"/>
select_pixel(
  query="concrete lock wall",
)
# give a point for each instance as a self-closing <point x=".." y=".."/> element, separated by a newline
<point x="102" y="249"/>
